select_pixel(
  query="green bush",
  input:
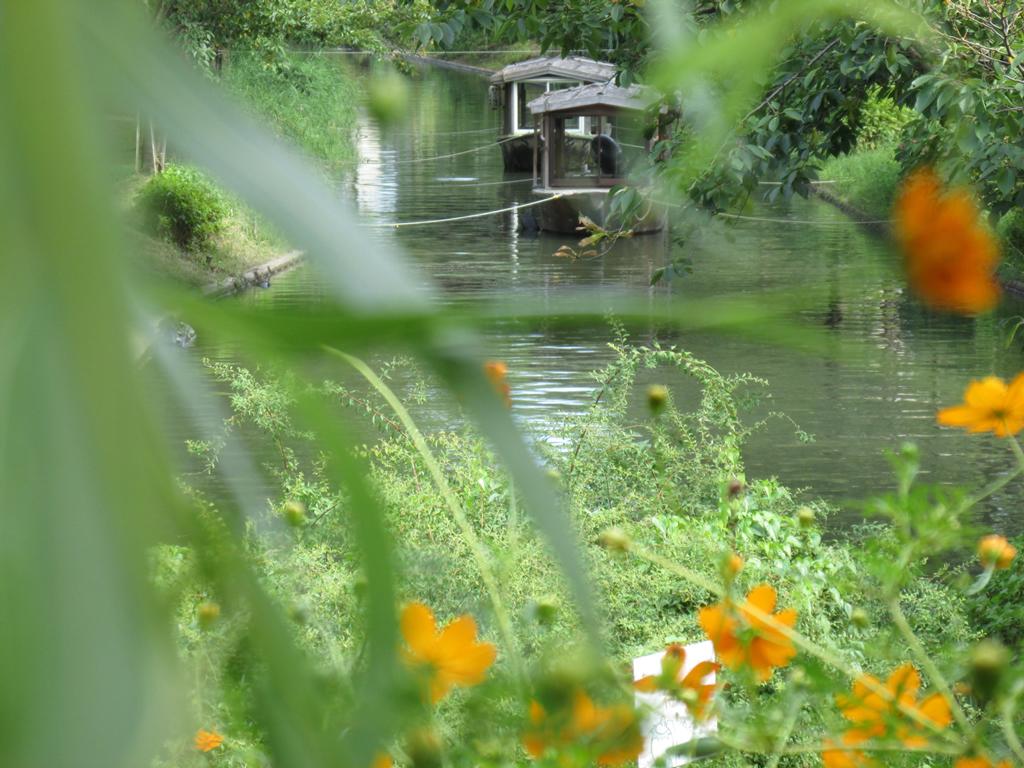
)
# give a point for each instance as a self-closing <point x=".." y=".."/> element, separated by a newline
<point x="1011" y="231"/>
<point x="182" y="206"/>
<point x="882" y="121"/>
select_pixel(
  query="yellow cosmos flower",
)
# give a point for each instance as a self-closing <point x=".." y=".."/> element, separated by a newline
<point x="873" y="715"/>
<point x="834" y="756"/>
<point x="689" y="688"/>
<point x="451" y="656"/>
<point x="743" y="638"/>
<point x="990" y="405"/>
<point x="980" y="761"/>
<point x="950" y="256"/>
<point x="207" y="741"/>
<point x="497" y="373"/>
<point x="612" y="734"/>
<point x="995" y="551"/>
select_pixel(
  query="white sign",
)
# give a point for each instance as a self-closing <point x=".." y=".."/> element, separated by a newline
<point x="668" y="722"/>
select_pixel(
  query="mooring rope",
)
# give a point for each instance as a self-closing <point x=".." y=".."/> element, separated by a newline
<point x="480" y="215"/>
<point x="803" y="221"/>
<point x="439" y="133"/>
<point x="454" y="184"/>
<point x="412" y="160"/>
<point x="769" y="220"/>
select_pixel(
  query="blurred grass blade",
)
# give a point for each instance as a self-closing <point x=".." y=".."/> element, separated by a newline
<point x="85" y="662"/>
<point x="463" y="373"/>
<point x="131" y="58"/>
<point x="372" y="723"/>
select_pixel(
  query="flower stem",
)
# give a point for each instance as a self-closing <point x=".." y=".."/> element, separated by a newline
<point x="475" y="545"/>
<point x="786" y="732"/>
<point x="1012" y="740"/>
<point x="999" y="482"/>
<point x="926" y="662"/>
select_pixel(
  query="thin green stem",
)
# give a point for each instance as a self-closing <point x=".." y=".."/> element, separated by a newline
<point x="818" y="747"/>
<point x="927" y="664"/>
<point x="1009" y="709"/>
<point x="999" y="482"/>
<point x="785" y="733"/>
<point x="457" y="512"/>
<point x="796" y="638"/>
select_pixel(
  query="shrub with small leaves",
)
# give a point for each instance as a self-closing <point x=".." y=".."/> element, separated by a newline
<point x="182" y="206"/>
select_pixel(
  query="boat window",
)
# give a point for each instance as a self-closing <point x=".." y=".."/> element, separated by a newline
<point x="530" y="89"/>
<point x="593" y="151"/>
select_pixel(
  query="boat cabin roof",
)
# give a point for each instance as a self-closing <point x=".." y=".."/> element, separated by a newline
<point x="569" y="68"/>
<point x="594" y="97"/>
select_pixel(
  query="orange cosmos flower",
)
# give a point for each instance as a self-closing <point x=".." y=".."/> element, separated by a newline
<point x="742" y="635"/>
<point x="207" y="741"/>
<point x="689" y="688"/>
<point x="382" y="760"/>
<point x="950" y="256"/>
<point x="452" y="656"/>
<point x="611" y="733"/>
<point x="497" y="373"/>
<point x="874" y="715"/>
<point x="989" y="406"/>
<point x="833" y="756"/>
<point x="995" y="551"/>
<point x="980" y="761"/>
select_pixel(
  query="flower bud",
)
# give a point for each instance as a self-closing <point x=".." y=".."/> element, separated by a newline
<point x="657" y="398"/>
<point x="996" y="552"/>
<point x="806" y="517"/>
<point x="545" y="610"/>
<point x="859" y="618"/>
<point x="387" y="98"/>
<point x="207" y="614"/>
<point x="424" y="748"/>
<point x="989" y="659"/>
<point x="732" y="565"/>
<point x="294" y="513"/>
<point x="735" y="488"/>
<point x="615" y="539"/>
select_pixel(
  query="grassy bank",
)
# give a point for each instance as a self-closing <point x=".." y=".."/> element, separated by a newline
<point x="868" y="181"/>
<point x="309" y="100"/>
<point x="672" y="484"/>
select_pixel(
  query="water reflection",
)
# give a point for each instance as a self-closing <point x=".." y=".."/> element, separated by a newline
<point x="917" y="361"/>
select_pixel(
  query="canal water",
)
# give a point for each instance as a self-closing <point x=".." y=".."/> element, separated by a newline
<point x="914" y="362"/>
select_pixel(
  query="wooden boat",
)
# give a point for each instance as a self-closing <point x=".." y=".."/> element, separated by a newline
<point x="515" y="85"/>
<point x="577" y="182"/>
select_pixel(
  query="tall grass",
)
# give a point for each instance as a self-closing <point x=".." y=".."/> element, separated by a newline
<point x="867" y="179"/>
<point x="309" y="99"/>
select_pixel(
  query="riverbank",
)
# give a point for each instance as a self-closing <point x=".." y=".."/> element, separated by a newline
<point x="865" y="185"/>
<point x="310" y="100"/>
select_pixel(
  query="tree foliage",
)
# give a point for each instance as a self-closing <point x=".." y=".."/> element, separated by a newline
<point x="206" y="27"/>
<point x="957" y="65"/>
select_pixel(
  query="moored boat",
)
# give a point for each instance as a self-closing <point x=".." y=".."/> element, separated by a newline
<point x="517" y="84"/>
<point x="577" y="174"/>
